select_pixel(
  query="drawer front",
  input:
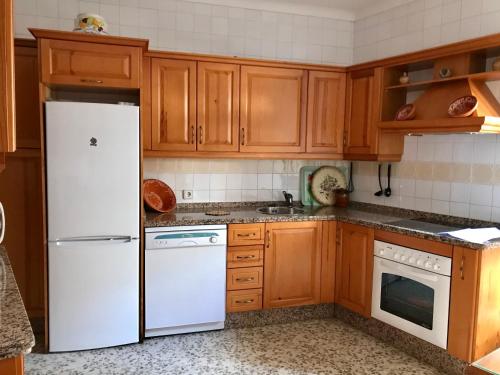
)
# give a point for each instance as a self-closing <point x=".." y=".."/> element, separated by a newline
<point x="245" y="256"/>
<point x="90" y="64"/>
<point x="244" y="300"/>
<point x="244" y="278"/>
<point x="246" y="234"/>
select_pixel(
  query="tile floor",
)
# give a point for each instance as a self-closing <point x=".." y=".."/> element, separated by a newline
<point x="312" y="347"/>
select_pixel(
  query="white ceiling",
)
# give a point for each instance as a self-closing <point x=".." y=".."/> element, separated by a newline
<point x="343" y="9"/>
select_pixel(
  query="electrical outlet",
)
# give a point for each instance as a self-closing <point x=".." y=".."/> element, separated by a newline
<point x="187" y="194"/>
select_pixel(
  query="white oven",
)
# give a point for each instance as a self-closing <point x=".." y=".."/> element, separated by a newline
<point x="411" y="291"/>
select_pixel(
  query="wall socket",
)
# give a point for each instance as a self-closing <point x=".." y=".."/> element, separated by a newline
<point x="187" y="194"/>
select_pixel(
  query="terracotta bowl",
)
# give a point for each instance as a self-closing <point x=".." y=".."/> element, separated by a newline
<point x="463" y="107"/>
<point x="406" y="112"/>
<point x="158" y="196"/>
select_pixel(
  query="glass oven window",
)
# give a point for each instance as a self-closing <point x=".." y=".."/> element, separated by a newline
<point x="408" y="299"/>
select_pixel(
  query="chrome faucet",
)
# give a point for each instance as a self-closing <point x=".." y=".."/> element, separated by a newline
<point x="288" y="198"/>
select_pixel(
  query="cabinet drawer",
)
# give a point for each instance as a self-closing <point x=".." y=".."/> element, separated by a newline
<point x="244" y="278"/>
<point x="244" y="300"/>
<point x="245" y="256"/>
<point x="90" y="64"/>
<point x="246" y="234"/>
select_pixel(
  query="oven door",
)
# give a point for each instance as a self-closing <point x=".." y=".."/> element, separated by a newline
<point x="413" y="300"/>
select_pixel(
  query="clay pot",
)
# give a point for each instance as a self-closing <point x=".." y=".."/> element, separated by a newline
<point x="341" y="198"/>
<point x="158" y="196"/>
<point x="404" y="79"/>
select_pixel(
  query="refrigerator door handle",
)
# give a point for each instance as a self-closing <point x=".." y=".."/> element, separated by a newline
<point x="102" y="240"/>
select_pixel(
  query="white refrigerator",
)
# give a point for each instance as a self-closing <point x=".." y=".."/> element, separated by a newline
<point x="92" y="156"/>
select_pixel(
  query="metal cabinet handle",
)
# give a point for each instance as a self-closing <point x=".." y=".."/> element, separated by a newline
<point x="192" y="134"/>
<point x="243" y="136"/>
<point x="462" y="267"/>
<point x="244" y="279"/>
<point x="246" y="234"/>
<point x="85" y="80"/>
<point x="245" y="256"/>
<point x="244" y="301"/>
<point x="268" y="239"/>
<point x="200" y="138"/>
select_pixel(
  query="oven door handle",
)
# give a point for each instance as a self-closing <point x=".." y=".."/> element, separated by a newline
<point x="426" y="275"/>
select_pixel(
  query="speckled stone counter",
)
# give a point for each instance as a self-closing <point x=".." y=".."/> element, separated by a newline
<point x="370" y="215"/>
<point x="16" y="336"/>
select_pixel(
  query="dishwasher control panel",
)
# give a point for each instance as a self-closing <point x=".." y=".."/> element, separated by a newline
<point x="176" y="237"/>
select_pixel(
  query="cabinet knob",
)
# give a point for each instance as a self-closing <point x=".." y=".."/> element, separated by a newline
<point x="192" y="134"/>
<point x="200" y="138"/>
<point x="243" y="136"/>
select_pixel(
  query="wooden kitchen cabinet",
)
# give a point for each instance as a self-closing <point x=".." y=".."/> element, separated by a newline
<point x="292" y="264"/>
<point x="328" y="260"/>
<point x="7" y="92"/>
<point x="218" y="106"/>
<point x="27" y="99"/>
<point x="173" y="104"/>
<point x="354" y="268"/>
<point x="363" y="100"/>
<point x="474" y="324"/>
<point x="69" y="62"/>
<point x="273" y="109"/>
<point x="325" y="112"/>
<point x="12" y="366"/>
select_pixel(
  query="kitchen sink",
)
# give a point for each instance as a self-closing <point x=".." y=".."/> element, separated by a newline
<point x="280" y="210"/>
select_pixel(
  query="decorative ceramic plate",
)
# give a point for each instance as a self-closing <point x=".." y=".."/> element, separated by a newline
<point x="406" y="112"/>
<point x="463" y="107"/>
<point x="158" y="196"/>
<point x="324" y="183"/>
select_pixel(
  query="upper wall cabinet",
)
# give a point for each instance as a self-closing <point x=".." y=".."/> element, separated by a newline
<point x="7" y="101"/>
<point x="325" y="112"/>
<point x="273" y="109"/>
<point x="362" y="106"/>
<point x="218" y="106"/>
<point x="78" y="59"/>
<point x="173" y="103"/>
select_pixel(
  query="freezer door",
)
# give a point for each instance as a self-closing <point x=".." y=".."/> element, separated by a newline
<point x="93" y="293"/>
<point x="92" y="169"/>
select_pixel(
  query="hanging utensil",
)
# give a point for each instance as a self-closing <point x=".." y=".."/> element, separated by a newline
<point x="388" y="191"/>
<point x="350" y="185"/>
<point x="381" y="191"/>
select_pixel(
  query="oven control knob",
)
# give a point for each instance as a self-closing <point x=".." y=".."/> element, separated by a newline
<point x="411" y="260"/>
<point x="420" y="262"/>
<point x="381" y="252"/>
<point x="403" y="258"/>
<point x="428" y="264"/>
<point x="397" y="256"/>
<point x="436" y="267"/>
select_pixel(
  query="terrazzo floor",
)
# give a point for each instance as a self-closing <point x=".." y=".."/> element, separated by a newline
<point x="322" y="347"/>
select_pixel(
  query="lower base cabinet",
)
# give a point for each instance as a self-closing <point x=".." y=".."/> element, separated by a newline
<point x="12" y="366"/>
<point x="354" y="268"/>
<point x="292" y="264"/>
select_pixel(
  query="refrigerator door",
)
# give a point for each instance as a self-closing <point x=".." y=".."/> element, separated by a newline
<point x="92" y="169"/>
<point x="93" y="293"/>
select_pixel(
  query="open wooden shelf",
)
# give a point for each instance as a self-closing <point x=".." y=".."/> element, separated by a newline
<point x="486" y="124"/>
<point x="422" y="85"/>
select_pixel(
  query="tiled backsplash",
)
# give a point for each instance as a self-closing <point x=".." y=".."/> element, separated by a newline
<point x="230" y="180"/>
<point x="457" y="175"/>
<point x="419" y="24"/>
<point x="178" y="25"/>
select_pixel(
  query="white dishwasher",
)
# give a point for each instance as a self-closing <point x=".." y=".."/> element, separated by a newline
<point x="185" y="279"/>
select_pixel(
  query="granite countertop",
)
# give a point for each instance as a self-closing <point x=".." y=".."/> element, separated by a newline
<point x="16" y="336"/>
<point x="378" y="217"/>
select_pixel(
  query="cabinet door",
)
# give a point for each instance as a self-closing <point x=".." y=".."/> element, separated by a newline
<point x="273" y="109"/>
<point x="21" y="195"/>
<point x="218" y="106"/>
<point x="7" y="101"/>
<point x="362" y="106"/>
<point x="27" y="102"/>
<point x="173" y="105"/>
<point x="353" y="288"/>
<point x="90" y="64"/>
<point x="292" y="264"/>
<point x="325" y="112"/>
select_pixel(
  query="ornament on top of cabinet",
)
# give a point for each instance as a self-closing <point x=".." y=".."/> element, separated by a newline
<point x="90" y="23"/>
<point x="496" y="64"/>
<point x="463" y="106"/>
<point x="445" y="72"/>
<point x="404" y="79"/>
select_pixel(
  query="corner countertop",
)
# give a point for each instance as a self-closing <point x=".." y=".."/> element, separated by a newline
<point x="370" y="215"/>
<point x="16" y="336"/>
